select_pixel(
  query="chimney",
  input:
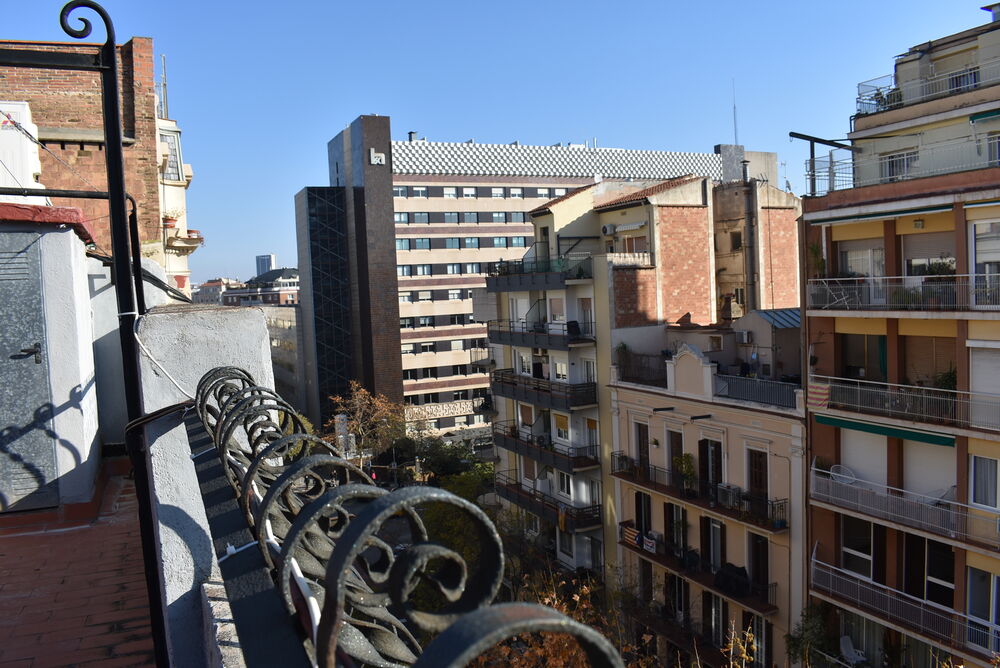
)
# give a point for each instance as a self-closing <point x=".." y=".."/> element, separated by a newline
<point x="994" y="10"/>
<point x="411" y="136"/>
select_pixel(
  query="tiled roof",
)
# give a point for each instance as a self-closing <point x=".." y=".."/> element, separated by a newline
<point x="640" y="195"/>
<point x="782" y="318"/>
<point x="425" y="157"/>
<point x="561" y="198"/>
<point x="286" y="273"/>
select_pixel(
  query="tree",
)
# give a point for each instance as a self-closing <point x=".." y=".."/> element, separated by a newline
<point x="375" y="421"/>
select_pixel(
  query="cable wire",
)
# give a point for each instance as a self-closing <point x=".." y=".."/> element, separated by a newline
<point x="156" y="362"/>
<point x="12" y="175"/>
<point x="45" y="148"/>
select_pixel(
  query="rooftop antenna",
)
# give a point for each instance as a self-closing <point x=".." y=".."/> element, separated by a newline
<point x="163" y="86"/>
<point x="736" y="132"/>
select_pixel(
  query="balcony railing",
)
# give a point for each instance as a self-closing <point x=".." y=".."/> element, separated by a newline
<point x="843" y="169"/>
<point x="726" y="579"/>
<point x="537" y="274"/>
<point x="973" y="410"/>
<point x="935" y="515"/>
<point x="630" y="259"/>
<point x="727" y="499"/>
<point x="967" y="292"/>
<point x="546" y="506"/>
<point x="884" y="93"/>
<point x="542" y="392"/>
<point x="642" y="369"/>
<point x="935" y="622"/>
<point x="759" y="390"/>
<point x="551" y="335"/>
<point x="681" y="629"/>
<point x="509" y="436"/>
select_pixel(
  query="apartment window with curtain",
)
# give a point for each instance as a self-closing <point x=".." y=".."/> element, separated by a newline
<point x="469" y="217"/>
<point x="565" y="484"/>
<point x="469" y="193"/>
<point x="422" y="244"/>
<point x="983" y="480"/>
<point x="856" y="553"/>
<point x="983" y="607"/>
<point x="452" y="242"/>
<point x="516" y="193"/>
<point x="496" y="193"/>
<point x="562" y="427"/>
<point x="450" y="192"/>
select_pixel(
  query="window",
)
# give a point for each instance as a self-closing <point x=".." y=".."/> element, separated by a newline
<point x="454" y="268"/>
<point x="424" y="296"/>
<point x="740" y="296"/>
<point x="473" y="268"/>
<point x="458" y="319"/>
<point x="472" y="242"/>
<point x="735" y="241"/>
<point x="517" y="242"/>
<point x="410" y="374"/>
<point x="496" y="193"/>
<point x="420" y="218"/>
<point x="566" y="543"/>
<point x="452" y="242"/>
<point x="562" y="427"/>
<point x="461" y="420"/>
<point x="454" y="294"/>
<point x="460" y="370"/>
<point x="422" y="244"/>
<point x="402" y="244"/>
<point x="469" y="193"/>
<point x="172" y="172"/>
<point x="427" y="347"/>
<point x="561" y="370"/>
<point x="531" y="523"/>
<point x="983" y="480"/>
<point x="429" y="372"/>
<point x="517" y="217"/>
<point x="499" y="242"/>
<point x="405" y="297"/>
<point x="856" y="551"/>
<point x="565" y="484"/>
<point x="423" y="270"/>
<point x="896" y="166"/>
<point x="714" y="343"/>
<point x="450" y="192"/>
<point x="524" y="363"/>
<point x="993" y="148"/>
<point x="499" y="217"/>
<point x="543" y="192"/>
<point x="457" y="344"/>
<point x="425" y="321"/>
<point x="940" y="580"/>
<point x="470" y="217"/>
<point x="399" y="191"/>
<point x="558" y="192"/>
<point x="451" y="217"/>
<point x="983" y="603"/>
<point x="405" y="323"/>
<point x="716" y="542"/>
<point x="478" y="419"/>
<point x="404" y="270"/>
<point x="407" y="349"/>
<point x="400" y="218"/>
<point x="593" y="437"/>
<point x="718" y="625"/>
<point x="557" y="309"/>
<point x="418" y="191"/>
<point x="516" y="193"/>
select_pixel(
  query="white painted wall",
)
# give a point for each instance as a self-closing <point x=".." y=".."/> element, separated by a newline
<point x="928" y="469"/>
<point x="864" y="454"/>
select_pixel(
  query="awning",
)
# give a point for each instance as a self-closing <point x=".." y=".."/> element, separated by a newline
<point x="983" y="115"/>
<point x="629" y="226"/>
<point x="888" y="430"/>
<point x="884" y="215"/>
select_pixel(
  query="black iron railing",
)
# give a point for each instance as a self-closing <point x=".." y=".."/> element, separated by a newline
<point x="540" y="447"/>
<point x="552" y="335"/>
<point x="758" y="390"/>
<point x="546" y="506"/>
<point x="346" y="554"/>
<point x="542" y="392"/>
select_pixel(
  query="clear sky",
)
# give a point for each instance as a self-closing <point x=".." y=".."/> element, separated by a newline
<point x="259" y="91"/>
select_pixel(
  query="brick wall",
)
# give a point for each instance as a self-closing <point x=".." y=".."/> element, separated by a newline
<point x="71" y="99"/>
<point x="634" y="296"/>
<point x="779" y="244"/>
<point x="685" y="247"/>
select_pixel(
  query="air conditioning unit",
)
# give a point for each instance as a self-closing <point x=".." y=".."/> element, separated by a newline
<point x="744" y="337"/>
<point x="730" y="496"/>
<point x="607" y="230"/>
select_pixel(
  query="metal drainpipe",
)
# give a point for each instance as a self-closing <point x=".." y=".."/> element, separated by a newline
<point x="749" y="247"/>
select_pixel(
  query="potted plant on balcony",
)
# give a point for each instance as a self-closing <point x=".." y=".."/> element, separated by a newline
<point x="689" y="474"/>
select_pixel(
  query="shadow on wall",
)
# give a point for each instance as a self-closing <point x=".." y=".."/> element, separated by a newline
<point x="46" y="492"/>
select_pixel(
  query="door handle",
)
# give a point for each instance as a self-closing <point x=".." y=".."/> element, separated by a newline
<point x="35" y="350"/>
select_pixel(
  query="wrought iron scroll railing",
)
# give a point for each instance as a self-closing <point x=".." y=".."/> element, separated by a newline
<point x="370" y="578"/>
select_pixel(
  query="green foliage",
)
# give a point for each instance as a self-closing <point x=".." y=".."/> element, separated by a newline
<point x="809" y="633"/>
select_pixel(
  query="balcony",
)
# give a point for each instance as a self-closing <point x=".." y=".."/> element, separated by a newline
<point x="549" y="335"/>
<point x="640" y="260"/>
<point x="542" y="392"/>
<point x="726" y="580"/>
<point x="885" y="93"/>
<point x="539" y="274"/>
<point x="758" y="390"/>
<point x="509" y="436"/>
<point x="723" y="498"/>
<point x="843" y="170"/>
<point x="641" y="369"/>
<point x="679" y="628"/>
<point x="942" y="517"/>
<point x="952" y="408"/>
<point x="549" y="508"/>
<point x="936" y="623"/>
<point x="968" y="292"/>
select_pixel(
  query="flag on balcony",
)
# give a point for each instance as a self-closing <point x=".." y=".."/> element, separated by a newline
<point x="562" y="517"/>
<point x="819" y="395"/>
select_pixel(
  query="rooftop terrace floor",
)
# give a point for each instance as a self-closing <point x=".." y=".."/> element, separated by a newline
<point x="72" y="591"/>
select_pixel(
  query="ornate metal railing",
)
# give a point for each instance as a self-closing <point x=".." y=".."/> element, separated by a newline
<point x="355" y="563"/>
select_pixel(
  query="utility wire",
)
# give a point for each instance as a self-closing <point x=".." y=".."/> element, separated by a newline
<point x="18" y="182"/>
<point x="45" y="148"/>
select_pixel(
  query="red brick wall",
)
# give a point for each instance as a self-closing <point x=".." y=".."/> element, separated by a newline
<point x="635" y="296"/>
<point x="71" y="99"/>
<point x="685" y="246"/>
<point x="779" y="244"/>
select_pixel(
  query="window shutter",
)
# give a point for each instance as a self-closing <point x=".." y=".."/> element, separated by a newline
<point x="878" y="553"/>
<point x="684" y="531"/>
<point x="703" y="460"/>
<point x="722" y="543"/>
<point x="706" y="612"/>
<point x="706" y="528"/>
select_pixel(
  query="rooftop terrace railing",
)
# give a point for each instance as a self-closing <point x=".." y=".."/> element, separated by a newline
<point x="962" y="292"/>
<point x="347" y="555"/>
<point x="885" y="93"/>
<point x="759" y="390"/>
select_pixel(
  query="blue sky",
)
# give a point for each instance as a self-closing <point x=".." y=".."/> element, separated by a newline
<point x="259" y="91"/>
